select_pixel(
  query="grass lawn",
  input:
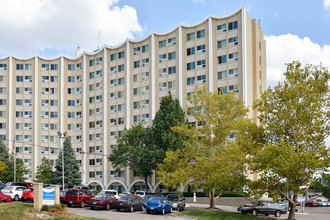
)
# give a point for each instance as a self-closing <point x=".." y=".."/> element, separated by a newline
<point x="16" y="211"/>
<point x="206" y="214"/>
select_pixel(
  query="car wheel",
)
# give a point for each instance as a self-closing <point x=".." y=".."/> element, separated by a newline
<point x="148" y="212"/>
<point x="141" y="208"/>
<point x="266" y="214"/>
<point x="82" y="204"/>
<point x="23" y="200"/>
<point x="69" y="205"/>
<point x="254" y="212"/>
<point x="171" y="210"/>
<point x="118" y="210"/>
<point x="3" y="201"/>
<point x="182" y="208"/>
<point x="16" y="198"/>
<point x="277" y="214"/>
<point x="132" y="209"/>
<point x="163" y="211"/>
<point x="107" y="207"/>
<point x="179" y="209"/>
<point x="92" y="208"/>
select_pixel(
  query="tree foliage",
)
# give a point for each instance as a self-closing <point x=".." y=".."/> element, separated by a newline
<point x="170" y="114"/>
<point x="211" y="160"/>
<point x="7" y="175"/>
<point x="136" y="151"/>
<point x="71" y="168"/>
<point x="45" y="172"/>
<point x="3" y="155"/>
<point x="322" y="184"/>
<point x="289" y="145"/>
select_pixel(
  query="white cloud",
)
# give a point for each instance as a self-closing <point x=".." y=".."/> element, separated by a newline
<point x="31" y="25"/>
<point x="287" y="48"/>
<point x="326" y="4"/>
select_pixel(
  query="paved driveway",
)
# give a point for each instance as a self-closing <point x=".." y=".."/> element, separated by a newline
<point x="123" y="215"/>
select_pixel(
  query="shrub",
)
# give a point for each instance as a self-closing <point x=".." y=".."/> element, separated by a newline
<point x="235" y="194"/>
<point x="191" y="194"/>
<point x="62" y="207"/>
<point x="45" y="208"/>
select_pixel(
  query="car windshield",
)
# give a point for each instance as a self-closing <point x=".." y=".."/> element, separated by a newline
<point x="126" y="198"/>
<point x="109" y="192"/>
<point x="157" y="199"/>
<point x="28" y="190"/>
<point x="147" y="197"/>
<point x="72" y="192"/>
<point x="172" y="197"/>
<point x="100" y="196"/>
<point x="139" y="193"/>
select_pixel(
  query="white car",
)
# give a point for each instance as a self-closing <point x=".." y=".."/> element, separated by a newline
<point x="140" y="193"/>
<point x="110" y="192"/>
<point x="15" y="192"/>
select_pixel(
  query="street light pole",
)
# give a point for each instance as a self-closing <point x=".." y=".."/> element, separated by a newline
<point x="62" y="136"/>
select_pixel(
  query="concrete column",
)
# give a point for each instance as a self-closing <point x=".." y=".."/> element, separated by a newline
<point x="56" y="195"/>
<point x="38" y="193"/>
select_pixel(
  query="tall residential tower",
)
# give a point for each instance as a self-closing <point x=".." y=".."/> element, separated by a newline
<point x="95" y="95"/>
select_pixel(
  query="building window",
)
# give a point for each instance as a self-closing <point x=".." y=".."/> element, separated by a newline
<point x="136" y="78"/>
<point x="121" y="81"/>
<point x="222" y="59"/>
<point x="120" y="94"/>
<point x="221" y="28"/>
<point x="233" y="73"/>
<point x="136" y="50"/>
<point x="233" y="88"/>
<point x="162" y="86"/>
<point x="201" y="79"/>
<point x="191" y="36"/>
<point x="113" y="69"/>
<point x="19" y="66"/>
<point x="233" y="57"/>
<point x="145" y="76"/>
<point x="222" y="75"/>
<point x="201" y="64"/>
<point x="71" y="67"/>
<point x="137" y="118"/>
<point x="190" y="51"/>
<point x="54" y="79"/>
<point x="221" y="44"/>
<point x="162" y="58"/>
<point x="145" y="117"/>
<point x="121" y="121"/>
<point x="121" y="55"/>
<point x="171" y="56"/>
<point x="92" y="174"/>
<point x="136" y="91"/>
<point x="3" y="66"/>
<point x="19" y="78"/>
<point x="162" y="43"/>
<point x="28" y="66"/>
<point x="145" y="103"/>
<point x="53" y="66"/>
<point x="232" y="41"/>
<point x="113" y="82"/>
<point x="71" y="114"/>
<point x="145" y="48"/>
<point x="91" y="100"/>
<point x="232" y="25"/>
<point x="121" y="107"/>
<point x="171" y="84"/>
<point x="136" y="104"/>
<point x="121" y="68"/>
<point x="171" y="41"/>
<point x="191" y="66"/>
<point x="191" y="81"/>
<point x="98" y="60"/>
<point x="145" y="90"/>
<point x="113" y="56"/>
<point x="92" y="75"/>
<point x="201" y="34"/>
<point x="71" y="79"/>
<point x="45" y="66"/>
<point x="71" y="102"/>
<point x="71" y="91"/>
<point x="171" y="70"/>
<point x="78" y="66"/>
<point x="92" y="62"/>
<point x="201" y="49"/>
<point x="145" y="62"/>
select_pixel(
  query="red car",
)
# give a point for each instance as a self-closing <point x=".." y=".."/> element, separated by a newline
<point x="4" y="198"/>
<point x="27" y="195"/>
<point x="104" y="201"/>
<point x="311" y="204"/>
<point x="79" y="197"/>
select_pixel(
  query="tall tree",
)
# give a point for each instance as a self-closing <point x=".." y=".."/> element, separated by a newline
<point x="211" y="159"/>
<point x="136" y="151"/>
<point x="294" y="123"/>
<point x="7" y="175"/>
<point x="170" y="114"/>
<point x="71" y="166"/>
<point x="45" y="172"/>
<point x="3" y="155"/>
<point x="322" y="184"/>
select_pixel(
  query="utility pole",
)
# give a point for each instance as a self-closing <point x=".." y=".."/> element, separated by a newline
<point x="62" y="136"/>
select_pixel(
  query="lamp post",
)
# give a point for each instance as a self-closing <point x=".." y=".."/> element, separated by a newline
<point x="62" y="135"/>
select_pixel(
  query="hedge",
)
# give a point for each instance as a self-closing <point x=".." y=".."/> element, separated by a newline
<point x="224" y="194"/>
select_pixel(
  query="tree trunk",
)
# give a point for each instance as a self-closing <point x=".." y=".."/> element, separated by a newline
<point x="292" y="213"/>
<point x="212" y="199"/>
<point x="146" y="180"/>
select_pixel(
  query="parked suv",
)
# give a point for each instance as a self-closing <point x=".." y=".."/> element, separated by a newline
<point x="178" y="201"/>
<point x="79" y="197"/>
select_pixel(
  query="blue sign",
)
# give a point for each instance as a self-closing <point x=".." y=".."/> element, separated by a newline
<point x="48" y="196"/>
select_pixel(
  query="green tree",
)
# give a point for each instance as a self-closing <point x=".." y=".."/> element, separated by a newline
<point x="322" y="184"/>
<point x="3" y="155"/>
<point x="71" y="166"/>
<point x="170" y="114"/>
<point x="45" y="172"/>
<point x="7" y="175"/>
<point x="211" y="160"/>
<point x="289" y="145"/>
<point x="136" y="151"/>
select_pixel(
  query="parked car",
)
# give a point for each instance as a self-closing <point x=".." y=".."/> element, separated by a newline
<point x="28" y="195"/>
<point x="104" y="201"/>
<point x="110" y="192"/>
<point x="311" y="204"/>
<point x="322" y="203"/>
<point x="129" y="202"/>
<point x="66" y="187"/>
<point x="62" y="197"/>
<point x="145" y="199"/>
<point x="2" y="185"/>
<point x="158" y="204"/>
<point x="5" y="198"/>
<point x="79" y="197"/>
<point x="178" y="201"/>
<point x="15" y="192"/>
<point x="266" y="208"/>
<point x="284" y="204"/>
<point x="26" y="184"/>
<point x="140" y="193"/>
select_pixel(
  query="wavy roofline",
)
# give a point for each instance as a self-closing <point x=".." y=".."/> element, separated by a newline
<point x="105" y="46"/>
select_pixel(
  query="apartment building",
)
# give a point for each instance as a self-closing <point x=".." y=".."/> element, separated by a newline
<point x="94" y="96"/>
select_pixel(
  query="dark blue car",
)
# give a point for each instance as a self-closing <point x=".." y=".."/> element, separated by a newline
<point x="158" y="204"/>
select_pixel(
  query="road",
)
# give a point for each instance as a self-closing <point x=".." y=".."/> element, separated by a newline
<point x="316" y="213"/>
